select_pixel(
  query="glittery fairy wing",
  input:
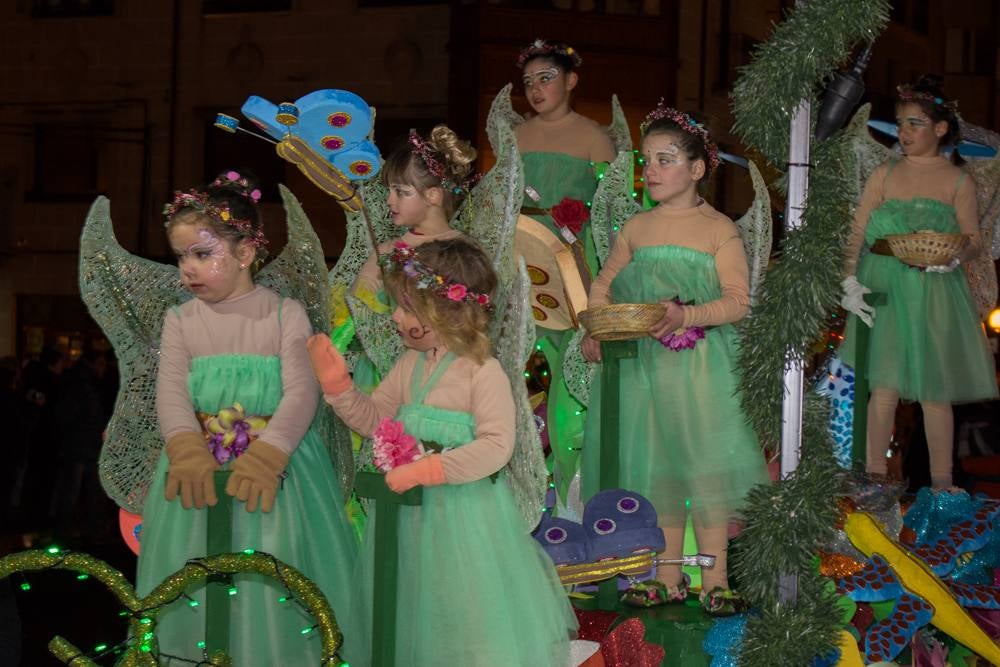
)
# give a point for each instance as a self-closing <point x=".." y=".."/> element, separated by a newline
<point x="868" y="153"/>
<point x="127" y="296"/>
<point x="373" y="327"/>
<point x="755" y="228"/>
<point x="299" y="272"/>
<point x="612" y="206"/>
<point x="526" y="471"/>
<point x="981" y="272"/>
<point x="501" y="117"/>
<point x="618" y="130"/>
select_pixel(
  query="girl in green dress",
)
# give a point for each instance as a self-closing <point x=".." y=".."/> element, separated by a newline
<point x="474" y="588"/>
<point x="684" y="441"/>
<point x="927" y="343"/>
<point x="235" y="392"/>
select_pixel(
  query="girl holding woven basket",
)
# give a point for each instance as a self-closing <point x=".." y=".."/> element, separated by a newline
<point x="926" y="341"/>
<point x="684" y="442"/>
<point x="474" y="587"/>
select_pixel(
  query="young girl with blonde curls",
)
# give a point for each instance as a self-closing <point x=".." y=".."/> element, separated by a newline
<point x="474" y="588"/>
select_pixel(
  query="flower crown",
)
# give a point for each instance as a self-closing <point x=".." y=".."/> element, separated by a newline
<point x="906" y="93"/>
<point x="403" y="256"/>
<point x="199" y="201"/>
<point x="233" y="178"/>
<point x="543" y="47"/>
<point x="686" y="123"/>
<point x="425" y="151"/>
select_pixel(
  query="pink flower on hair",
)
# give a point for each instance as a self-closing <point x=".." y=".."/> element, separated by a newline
<point x="483" y="299"/>
<point x="457" y="292"/>
<point x="255" y="195"/>
<point x="233" y="175"/>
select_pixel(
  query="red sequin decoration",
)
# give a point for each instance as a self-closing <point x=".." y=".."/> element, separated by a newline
<point x="625" y="647"/>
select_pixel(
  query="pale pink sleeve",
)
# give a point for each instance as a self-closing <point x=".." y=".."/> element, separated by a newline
<point x="967" y="215"/>
<point x="300" y="391"/>
<point x="618" y="259"/>
<point x="734" y="280"/>
<point x="361" y="412"/>
<point x="493" y="410"/>
<point x="173" y="402"/>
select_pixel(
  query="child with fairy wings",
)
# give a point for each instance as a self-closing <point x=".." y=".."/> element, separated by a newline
<point x="235" y="392"/>
<point x="927" y="343"/>
<point x="684" y="440"/>
<point x="474" y="589"/>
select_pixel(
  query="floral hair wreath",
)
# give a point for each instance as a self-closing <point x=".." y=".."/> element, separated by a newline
<point x="197" y="200"/>
<point x="906" y="93"/>
<point x="425" y="151"/>
<point x="543" y="47"/>
<point x="232" y="177"/>
<point x="404" y="257"/>
<point x="686" y="123"/>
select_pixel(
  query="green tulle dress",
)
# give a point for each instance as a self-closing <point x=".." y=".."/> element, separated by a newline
<point x="927" y="342"/>
<point x="307" y="529"/>
<point x="555" y="176"/>
<point x="474" y="589"/>
<point x="684" y="437"/>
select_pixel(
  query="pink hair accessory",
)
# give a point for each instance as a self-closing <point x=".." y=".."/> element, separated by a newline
<point x="233" y="177"/>
<point x="906" y="93"/>
<point x="404" y="257"/>
<point x="686" y="123"/>
<point x="544" y="47"/>
<point x="198" y="201"/>
<point x="425" y="151"/>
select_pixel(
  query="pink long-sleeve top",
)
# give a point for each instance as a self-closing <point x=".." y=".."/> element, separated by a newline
<point x="482" y="390"/>
<point x="911" y="177"/>
<point x="247" y="324"/>
<point x="700" y="228"/>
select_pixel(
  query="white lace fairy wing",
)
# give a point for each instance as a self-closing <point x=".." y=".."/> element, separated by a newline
<point x="981" y="272"/>
<point x="526" y="472"/>
<point x="612" y="207"/>
<point x="501" y="117"/>
<point x="868" y="153"/>
<point x="127" y="296"/>
<point x="755" y="228"/>
<point x="618" y="129"/>
<point x="299" y="273"/>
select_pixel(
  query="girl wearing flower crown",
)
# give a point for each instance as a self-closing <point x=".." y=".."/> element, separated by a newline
<point x="926" y="341"/>
<point x="427" y="179"/>
<point x="684" y="440"/>
<point x="235" y="392"/>
<point x="474" y="589"/>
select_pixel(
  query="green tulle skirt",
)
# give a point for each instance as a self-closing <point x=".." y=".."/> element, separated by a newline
<point x="474" y="589"/>
<point x="308" y="529"/>
<point x="927" y="342"/>
<point x="684" y="440"/>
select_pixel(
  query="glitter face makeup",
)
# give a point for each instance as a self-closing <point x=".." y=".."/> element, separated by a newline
<point x="208" y="267"/>
<point x="669" y="174"/>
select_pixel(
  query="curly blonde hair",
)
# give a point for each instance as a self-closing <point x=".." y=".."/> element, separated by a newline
<point x="461" y="325"/>
<point x="455" y="155"/>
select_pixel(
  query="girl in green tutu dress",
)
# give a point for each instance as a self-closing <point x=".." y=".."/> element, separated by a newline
<point x="474" y="588"/>
<point x="233" y="364"/>
<point x="685" y="442"/>
<point x="927" y="344"/>
<point x="559" y="149"/>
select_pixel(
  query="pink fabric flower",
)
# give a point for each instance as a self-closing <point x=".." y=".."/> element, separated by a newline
<point x="392" y="446"/>
<point x="683" y="339"/>
<point x="457" y="292"/>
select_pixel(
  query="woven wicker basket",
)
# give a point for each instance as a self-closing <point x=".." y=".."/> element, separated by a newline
<point x="621" y="321"/>
<point x="925" y="248"/>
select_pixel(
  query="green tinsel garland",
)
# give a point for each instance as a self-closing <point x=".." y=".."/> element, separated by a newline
<point x="788" y="521"/>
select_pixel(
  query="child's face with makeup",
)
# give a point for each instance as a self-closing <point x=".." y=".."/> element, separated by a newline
<point x="670" y="175"/>
<point x="415" y="334"/>
<point x="919" y="136"/>
<point x="209" y="268"/>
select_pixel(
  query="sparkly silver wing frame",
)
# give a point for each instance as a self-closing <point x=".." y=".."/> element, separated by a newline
<point x="128" y="297"/>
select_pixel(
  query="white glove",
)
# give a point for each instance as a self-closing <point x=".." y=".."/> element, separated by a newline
<point x="944" y="268"/>
<point x="854" y="300"/>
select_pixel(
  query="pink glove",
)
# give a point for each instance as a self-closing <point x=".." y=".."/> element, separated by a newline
<point x="328" y="366"/>
<point x="427" y="471"/>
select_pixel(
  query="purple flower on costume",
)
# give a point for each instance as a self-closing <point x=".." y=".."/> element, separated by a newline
<point x="230" y="432"/>
<point x="683" y="339"/>
<point x="410" y="270"/>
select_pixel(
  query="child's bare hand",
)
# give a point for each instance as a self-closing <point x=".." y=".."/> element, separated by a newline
<point x="672" y="320"/>
<point x="591" y="349"/>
